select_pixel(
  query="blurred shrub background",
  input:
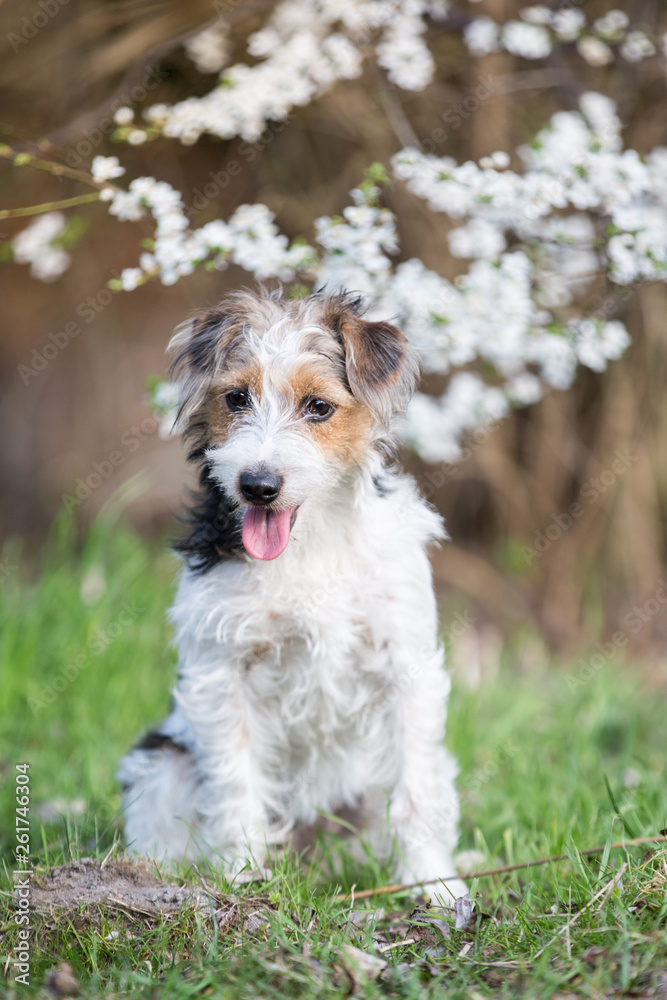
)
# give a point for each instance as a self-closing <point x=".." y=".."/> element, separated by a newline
<point x="516" y="557"/>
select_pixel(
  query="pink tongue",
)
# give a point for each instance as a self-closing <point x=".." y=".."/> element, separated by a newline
<point x="266" y="532"/>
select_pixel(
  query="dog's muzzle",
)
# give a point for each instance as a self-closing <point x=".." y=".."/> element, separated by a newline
<point x="266" y="531"/>
<point x="261" y="487"/>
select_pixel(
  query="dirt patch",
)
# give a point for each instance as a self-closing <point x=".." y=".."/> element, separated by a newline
<point x="123" y="884"/>
<point x="87" y="887"/>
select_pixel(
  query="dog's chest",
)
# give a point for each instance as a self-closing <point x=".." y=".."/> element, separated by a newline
<point x="311" y="646"/>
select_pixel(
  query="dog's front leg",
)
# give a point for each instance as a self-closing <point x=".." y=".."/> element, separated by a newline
<point x="237" y="798"/>
<point x="424" y="811"/>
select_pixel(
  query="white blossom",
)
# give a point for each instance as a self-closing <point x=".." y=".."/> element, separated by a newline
<point x="209" y="49"/>
<point x="539" y="14"/>
<point x="568" y="23"/>
<point x="404" y="54"/>
<point x="612" y="25"/>
<point x="531" y="41"/>
<point x="596" y="342"/>
<point x="34" y="245"/>
<point x="123" y="116"/>
<point x="137" y="137"/>
<point x="594" y="51"/>
<point x="482" y="36"/>
<point x="524" y="389"/>
<point x="478" y="238"/>
<point x="106" y="168"/>
<point x="130" y="278"/>
<point x="637" y="46"/>
<point x="435" y="427"/>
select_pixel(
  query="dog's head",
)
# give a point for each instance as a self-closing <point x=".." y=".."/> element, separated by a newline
<point x="286" y="400"/>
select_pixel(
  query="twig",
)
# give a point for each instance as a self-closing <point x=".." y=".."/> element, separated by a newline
<point x="211" y="893"/>
<point x="397" y="944"/>
<point x="49" y="206"/>
<point x="607" y="888"/>
<point x="395" y="114"/>
<point x="108" y="854"/>
<point x="495" y="965"/>
<point x="23" y="135"/>
<point x="501" y="870"/>
<point x="56" y="169"/>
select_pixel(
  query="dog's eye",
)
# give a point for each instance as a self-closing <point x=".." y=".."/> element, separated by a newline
<point x="238" y="399"/>
<point x="319" y="409"/>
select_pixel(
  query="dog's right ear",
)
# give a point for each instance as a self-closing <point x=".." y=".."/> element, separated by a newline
<point x="201" y="346"/>
<point x="381" y="367"/>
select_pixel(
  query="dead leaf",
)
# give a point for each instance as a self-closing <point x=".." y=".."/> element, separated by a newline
<point x="254" y="922"/>
<point x="360" y="965"/>
<point x="61" y="981"/>
<point x="595" y="955"/>
<point x="464" y="913"/>
<point x="440" y="925"/>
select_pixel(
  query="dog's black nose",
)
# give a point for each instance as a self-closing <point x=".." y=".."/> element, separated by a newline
<point x="260" y="487"/>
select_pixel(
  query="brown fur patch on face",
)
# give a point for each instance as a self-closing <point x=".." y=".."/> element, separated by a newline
<point x="216" y="413"/>
<point x="346" y="435"/>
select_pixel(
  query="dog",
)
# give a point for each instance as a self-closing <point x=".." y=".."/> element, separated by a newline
<point x="310" y="677"/>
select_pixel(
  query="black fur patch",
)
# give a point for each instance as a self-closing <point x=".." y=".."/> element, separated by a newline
<point x="382" y="486"/>
<point x="214" y="529"/>
<point x="155" y="740"/>
<point x="201" y="350"/>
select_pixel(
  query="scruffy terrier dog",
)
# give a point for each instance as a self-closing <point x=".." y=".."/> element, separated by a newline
<point x="310" y="678"/>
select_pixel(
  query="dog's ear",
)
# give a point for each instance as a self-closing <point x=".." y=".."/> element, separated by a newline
<point x="200" y="347"/>
<point x="381" y="367"/>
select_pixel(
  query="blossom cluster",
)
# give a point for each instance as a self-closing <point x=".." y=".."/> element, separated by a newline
<point x="249" y="238"/>
<point x="582" y="217"/>
<point x="304" y="48"/>
<point x="539" y="29"/>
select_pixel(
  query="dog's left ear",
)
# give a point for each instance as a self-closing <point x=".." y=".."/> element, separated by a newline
<point x="200" y="347"/>
<point x="381" y="367"/>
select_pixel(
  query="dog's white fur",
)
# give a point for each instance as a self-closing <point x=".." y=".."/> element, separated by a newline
<point x="313" y="682"/>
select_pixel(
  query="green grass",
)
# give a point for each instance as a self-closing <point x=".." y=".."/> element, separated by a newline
<point x="535" y="754"/>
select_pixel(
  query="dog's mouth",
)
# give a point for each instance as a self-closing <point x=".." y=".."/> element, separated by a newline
<point x="266" y="532"/>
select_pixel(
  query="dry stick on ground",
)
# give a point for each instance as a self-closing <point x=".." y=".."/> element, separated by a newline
<point x="401" y="887"/>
